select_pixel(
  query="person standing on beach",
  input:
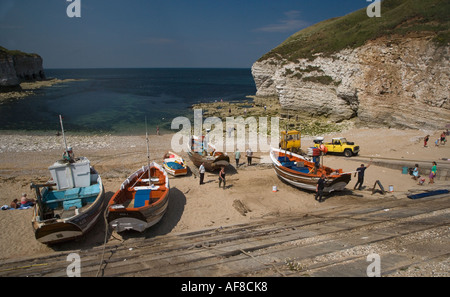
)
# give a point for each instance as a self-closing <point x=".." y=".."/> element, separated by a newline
<point x="319" y="188"/>
<point x="201" y="170"/>
<point x="360" y="170"/>
<point x="222" y="177"/>
<point x="443" y="139"/>
<point x="425" y="140"/>
<point x="237" y="156"/>
<point x="249" y="154"/>
<point x="433" y="173"/>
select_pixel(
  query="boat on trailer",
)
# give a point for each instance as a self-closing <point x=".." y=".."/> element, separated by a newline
<point x="200" y="151"/>
<point x="174" y="164"/>
<point x="70" y="203"/>
<point x="300" y="172"/>
<point x="141" y="201"/>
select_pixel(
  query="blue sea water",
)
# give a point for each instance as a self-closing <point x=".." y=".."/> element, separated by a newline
<point x="117" y="101"/>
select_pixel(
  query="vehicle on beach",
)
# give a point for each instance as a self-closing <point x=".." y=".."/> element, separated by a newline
<point x="300" y="172"/>
<point x="141" y="201"/>
<point x="201" y="151"/>
<point x="337" y="145"/>
<point x="290" y="141"/>
<point x="174" y="164"/>
<point x="70" y="203"/>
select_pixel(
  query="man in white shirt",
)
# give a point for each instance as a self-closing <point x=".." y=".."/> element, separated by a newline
<point x="249" y="154"/>
<point x="201" y="169"/>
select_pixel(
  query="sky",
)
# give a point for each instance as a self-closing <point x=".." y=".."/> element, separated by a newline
<point x="159" y="33"/>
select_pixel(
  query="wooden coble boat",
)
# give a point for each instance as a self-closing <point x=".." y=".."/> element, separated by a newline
<point x="70" y="203"/>
<point x="298" y="171"/>
<point x="174" y="164"/>
<point x="141" y="201"/>
<point x="201" y="152"/>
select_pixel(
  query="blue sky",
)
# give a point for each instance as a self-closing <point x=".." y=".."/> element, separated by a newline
<point x="159" y="33"/>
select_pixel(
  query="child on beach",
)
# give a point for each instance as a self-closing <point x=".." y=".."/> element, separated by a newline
<point x="433" y="173"/>
<point x="415" y="172"/>
<point x="443" y="138"/>
<point x="425" y="140"/>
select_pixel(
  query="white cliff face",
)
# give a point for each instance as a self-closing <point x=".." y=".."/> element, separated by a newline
<point x="397" y="82"/>
<point x="15" y="69"/>
<point x="8" y="76"/>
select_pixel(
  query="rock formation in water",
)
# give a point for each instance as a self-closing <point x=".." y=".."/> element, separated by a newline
<point x="383" y="72"/>
<point x="17" y="67"/>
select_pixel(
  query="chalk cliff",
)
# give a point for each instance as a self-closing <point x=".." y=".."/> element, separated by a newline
<point x="400" y="79"/>
<point x="17" y="67"/>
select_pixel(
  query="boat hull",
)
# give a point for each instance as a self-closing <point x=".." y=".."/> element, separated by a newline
<point x="57" y="230"/>
<point x="138" y="220"/>
<point x="335" y="180"/>
<point x="210" y="163"/>
<point x="123" y="212"/>
<point x="210" y="157"/>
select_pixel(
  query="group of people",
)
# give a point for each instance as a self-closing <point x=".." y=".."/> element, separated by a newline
<point x="442" y="140"/>
<point x="222" y="180"/>
<point x="416" y="175"/>
<point x="24" y="202"/>
<point x="360" y="171"/>
<point x="321" y="182"/>
<point x="248" y="153"/>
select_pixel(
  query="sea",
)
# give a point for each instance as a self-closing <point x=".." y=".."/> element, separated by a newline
<point x="120" y="101"/>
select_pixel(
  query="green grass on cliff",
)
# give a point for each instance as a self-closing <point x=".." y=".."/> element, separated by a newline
<point x="4" y="52"/>
<point x="399" y="17"/>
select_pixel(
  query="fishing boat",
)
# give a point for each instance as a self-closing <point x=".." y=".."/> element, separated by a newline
<point x="70" y="203"/>
<point x="201" y="151"/>
<point x="142" y="199"/>
<point x="174" y="164"/>
<point x="300" y="172"/>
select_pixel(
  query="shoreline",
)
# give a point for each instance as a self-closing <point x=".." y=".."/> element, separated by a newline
<point x="25" y="157"/>
<point x="26" y="89"/>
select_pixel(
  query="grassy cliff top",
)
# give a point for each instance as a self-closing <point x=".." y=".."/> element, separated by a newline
<point x="400" y="17"/>
<point x="4" y="52"/>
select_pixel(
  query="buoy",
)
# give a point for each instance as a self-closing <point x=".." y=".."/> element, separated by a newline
<point x="323" y="148"/>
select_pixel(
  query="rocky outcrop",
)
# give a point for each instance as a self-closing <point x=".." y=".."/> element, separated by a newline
<point x="17" y="67"/>
<point x="396" y="81"/>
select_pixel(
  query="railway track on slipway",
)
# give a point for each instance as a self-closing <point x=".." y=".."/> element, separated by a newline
<point x="406" y="234"/>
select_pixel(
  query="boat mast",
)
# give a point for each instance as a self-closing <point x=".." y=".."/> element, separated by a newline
<point x="148" y="151"/>
<point x="64" y="137"/>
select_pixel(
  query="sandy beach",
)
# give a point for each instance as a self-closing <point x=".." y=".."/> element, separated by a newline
<point x="25" y="159"/>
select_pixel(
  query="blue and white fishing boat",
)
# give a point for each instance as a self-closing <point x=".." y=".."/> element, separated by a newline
<point x="71" y="202"/>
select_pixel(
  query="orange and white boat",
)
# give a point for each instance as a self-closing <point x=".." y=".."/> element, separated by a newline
<point x="304" y="174"/>
<point x="141" y="201"/>
<point x="174" y="164"/>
